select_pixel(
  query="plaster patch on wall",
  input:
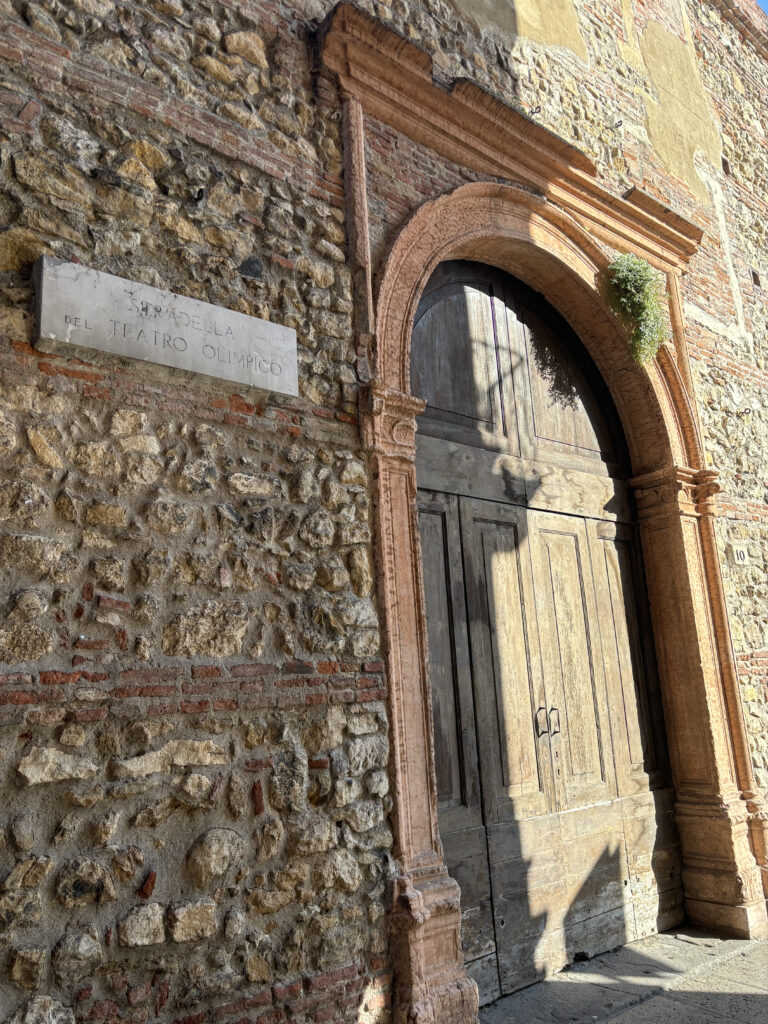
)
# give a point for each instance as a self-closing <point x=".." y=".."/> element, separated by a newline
<point x="553" y="22"/>
<point x="680" y="123"/>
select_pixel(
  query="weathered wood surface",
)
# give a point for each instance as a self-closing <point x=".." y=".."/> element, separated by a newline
<point x="555" y="810"/>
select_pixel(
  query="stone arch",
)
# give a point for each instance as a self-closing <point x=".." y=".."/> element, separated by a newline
<point x="721" y="821"/>
<point x="518" y="231"/>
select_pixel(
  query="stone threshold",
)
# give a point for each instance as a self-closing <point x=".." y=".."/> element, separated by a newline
<point x="681" y="977"/>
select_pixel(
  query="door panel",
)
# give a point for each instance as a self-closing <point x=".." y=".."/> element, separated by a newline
<point x="508" y="686"/>
<point x="456" y="765"/>
<point x="573" y="673"/>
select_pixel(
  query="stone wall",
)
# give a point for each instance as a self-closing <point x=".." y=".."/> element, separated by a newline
<point x="193" y="727"/>
<point x="193" y="720"/>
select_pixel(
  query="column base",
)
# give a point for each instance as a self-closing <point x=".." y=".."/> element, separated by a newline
<point x="430" y="984"/>
<point x="744" y="922"/>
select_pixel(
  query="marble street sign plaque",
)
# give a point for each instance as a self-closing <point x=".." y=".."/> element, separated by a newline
<point x="78" y="306"/>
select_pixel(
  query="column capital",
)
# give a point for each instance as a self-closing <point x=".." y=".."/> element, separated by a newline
<point x="388" y="420"/>
<point x="676" y="490"/>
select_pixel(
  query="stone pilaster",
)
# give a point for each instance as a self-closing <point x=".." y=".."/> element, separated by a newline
<point x="431" y="986"/>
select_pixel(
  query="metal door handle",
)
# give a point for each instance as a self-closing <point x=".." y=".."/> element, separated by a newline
<point x="541" y="722"/>
<point x="554" y="723"/>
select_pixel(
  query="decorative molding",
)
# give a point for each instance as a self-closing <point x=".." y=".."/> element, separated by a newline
<point x="388" y="420"/>
<point x="395" y="82"/>
<point x="356" y="201"/>
<point x="676" y="490"/>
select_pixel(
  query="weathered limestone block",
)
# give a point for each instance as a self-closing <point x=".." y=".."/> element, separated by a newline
<point x="339" y="869"/>
<point x="128" y="421"/>
<point x="196" y="787"/>
<point x="39" y="556"/>
<point x="238" y="799"/>
<point x="353" y="473"/>
<point x="109" y="572"/>
<point x="18" y="909"/>
<point x="212" y="854"/>
<point x="169" y="516"/>
<point x="28" y="873"/>
<point x="193" y="921"/>
<point x="106" y="513"/>
<point x="125" y="863"/>
<point x="47" y="764"/>
<point x="95" y="458"/>
<point x="366" y="753"/>
<point x="176" y="753"/>
<point x="347" y="791"/>
<point x="40" y="440"/>
<point x="317" y="530"/>
<point x="8" y="439"/>
<point x="76" y="955"/>
<point x="288" y="782"/>
<point x="43" y="1009"/>
<point x="365" y="815"/>
<point x="332" y="575"/>
<point x="249" y="45"/>
<point x="22" y="501"/>
<point x="311" y="833"/>
<point x="24" y="642"/>
<point x="377" y="783"/>
<point x="212" y="629"/>
<point x="267" y="837"/>
<point x="268" y="901"/>
<point x="143" y="926"/>
<point x="27" y="963"/>
<point x="298" y="576"/>
<point x="325" y="733"/>
<point x="360" y="572"/>
<point x="80" y="882"/>
<point x="196" y="476"/>
<point x="252" y="486"/>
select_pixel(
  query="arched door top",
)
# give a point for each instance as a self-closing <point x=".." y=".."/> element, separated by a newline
<point x="520" y="232"/>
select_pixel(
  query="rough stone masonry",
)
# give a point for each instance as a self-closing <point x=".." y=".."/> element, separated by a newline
<point x="193" y="726"/>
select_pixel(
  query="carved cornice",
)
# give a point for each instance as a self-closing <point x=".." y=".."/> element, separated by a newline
<point x="676" y="490"/>
<point x="393" y="80"/>
<point x="388" y="420"/>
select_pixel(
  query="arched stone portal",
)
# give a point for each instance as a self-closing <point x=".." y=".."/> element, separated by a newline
<point x="721" y="824"/>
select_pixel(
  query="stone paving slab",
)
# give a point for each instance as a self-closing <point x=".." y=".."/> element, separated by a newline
<point x="684" y="977"/>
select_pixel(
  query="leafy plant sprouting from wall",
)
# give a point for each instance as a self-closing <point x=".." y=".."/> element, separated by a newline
<point x="634" y="292"/>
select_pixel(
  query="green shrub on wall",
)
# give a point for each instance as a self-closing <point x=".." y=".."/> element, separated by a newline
<point x="634" y="291"/>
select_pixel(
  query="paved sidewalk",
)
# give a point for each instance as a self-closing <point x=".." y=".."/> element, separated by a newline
<point x="682" y="977"/>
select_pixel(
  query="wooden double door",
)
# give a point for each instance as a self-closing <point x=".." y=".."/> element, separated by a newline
<point x="554" y="798"/>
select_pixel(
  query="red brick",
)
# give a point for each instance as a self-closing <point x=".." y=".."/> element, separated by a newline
<point x="147" y="887"/>
<point x="84" y="644"/>
<point x="249" y="1003"/>
<point x="16" y="679"/>
<point x="205" y="671"/>
<point x="330" y="978"/>
<point x="57" y="678"/>
<point x="258" y="764"/>
<point x="253" y="669"/>
<point x="88" y="715"/>
<point x="257" y="795"/>
<point x="194" y="707"/>
<point x="142" y="691"/>
<point x="327" y="668"/>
